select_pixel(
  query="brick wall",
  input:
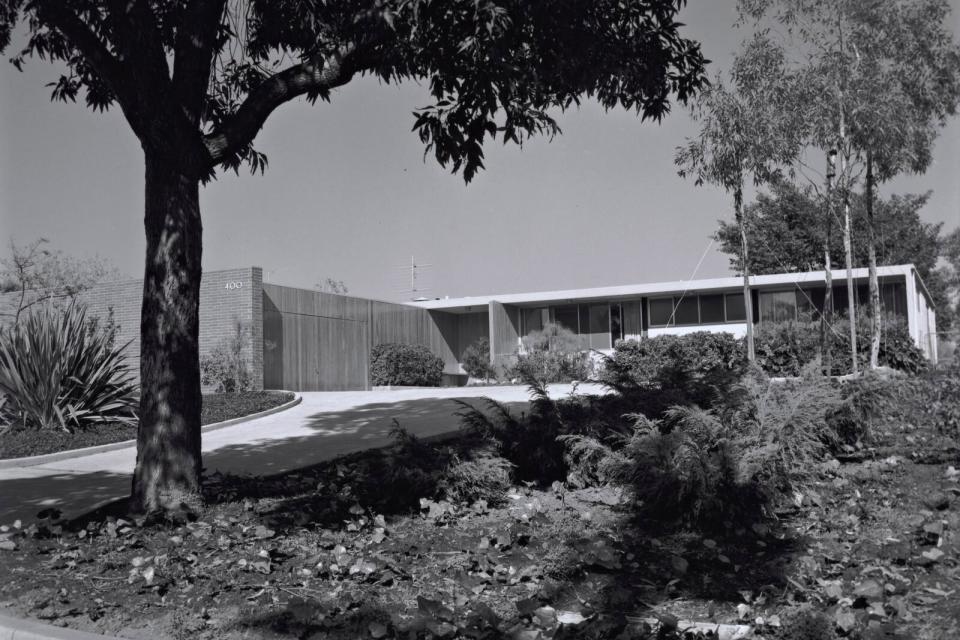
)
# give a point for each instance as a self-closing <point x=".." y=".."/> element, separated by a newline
<point x="225" y="297"/>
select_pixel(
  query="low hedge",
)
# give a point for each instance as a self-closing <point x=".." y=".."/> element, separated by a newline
<point x="405" y="364"/>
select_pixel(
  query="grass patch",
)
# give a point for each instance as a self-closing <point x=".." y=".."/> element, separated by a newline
<point x="216" y="408"/>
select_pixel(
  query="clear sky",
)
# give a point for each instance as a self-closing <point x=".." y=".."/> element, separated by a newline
<point x="348" y="195"/>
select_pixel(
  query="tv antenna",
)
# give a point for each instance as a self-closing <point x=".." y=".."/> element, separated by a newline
<point x="415" y="273"/>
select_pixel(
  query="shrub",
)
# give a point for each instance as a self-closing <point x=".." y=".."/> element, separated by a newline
<point x="552" y="354"/>
<point x="225" y="366"/>
<point x="483" y="476"/>
<point x="699" y="368"/>
<point x="783" y="349"/>
<point x="692" y="474"/>
<point x="529" y="442"/>
<point x="57" y="370"/>
<point x="476" y="360"/>
<point x="404" y="364"/>
<point x="699" y="468"/>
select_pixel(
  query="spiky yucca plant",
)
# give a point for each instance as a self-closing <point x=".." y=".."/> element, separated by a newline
<point x="59" y="371"/>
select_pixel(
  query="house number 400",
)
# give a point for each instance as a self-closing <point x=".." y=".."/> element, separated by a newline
<point x="234" y="285"/>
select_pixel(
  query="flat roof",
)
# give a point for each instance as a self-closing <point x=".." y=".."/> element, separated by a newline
<point x="630" y="291"/>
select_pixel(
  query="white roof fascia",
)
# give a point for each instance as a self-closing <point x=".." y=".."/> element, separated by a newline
<point x="658" y="288"/>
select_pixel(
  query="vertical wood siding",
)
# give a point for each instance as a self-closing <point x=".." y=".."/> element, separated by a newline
<point x="316" y="341"/>
<point x="504" y="332"/>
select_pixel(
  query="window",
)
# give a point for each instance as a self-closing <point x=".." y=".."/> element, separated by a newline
<point x="778" y="306"/>
<point x="599" y="326"/>
<point x="661" y="311"/>
<point x="688" y="312"/>
<point x="735" y="309"/>
<point x="533" y="320"/>
<point x="616" y="324"/>
<point x="569" y="317"/>
<point x="711" y="309"/>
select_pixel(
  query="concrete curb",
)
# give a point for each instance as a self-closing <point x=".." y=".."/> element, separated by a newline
<point x="33" y="461"/>
<point x="13" y="628"/>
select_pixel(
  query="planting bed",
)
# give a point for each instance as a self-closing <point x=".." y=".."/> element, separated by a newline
<point x="868" y="550"/>
<point x="216" y="408"/>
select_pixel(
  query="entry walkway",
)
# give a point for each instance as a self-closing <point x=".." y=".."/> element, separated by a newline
<point x="323" y="426"/>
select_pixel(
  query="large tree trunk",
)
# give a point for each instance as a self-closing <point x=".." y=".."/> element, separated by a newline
<point x="875" y="319"/>
<point x="168" y="439"/>
<point x="745" y="264"/>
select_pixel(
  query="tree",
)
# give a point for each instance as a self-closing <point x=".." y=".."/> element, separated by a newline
<point x="783" y="231"/>
<point x="38" y="275"/>
<point x="197" y="79"/>
<point x="742" y="135"/>
<point x="330" y="285"/>
<point x="882" y="77"/>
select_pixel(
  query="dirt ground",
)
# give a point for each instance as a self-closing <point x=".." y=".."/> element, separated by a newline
<point x="871" y="545"/>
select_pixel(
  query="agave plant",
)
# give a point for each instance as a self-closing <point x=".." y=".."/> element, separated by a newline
<point x="59" y="371"/>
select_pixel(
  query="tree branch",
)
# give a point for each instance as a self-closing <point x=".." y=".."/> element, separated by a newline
<point x="315" y="75"/>
<point x="110" y="70"/>
<point x="193" y="54"/>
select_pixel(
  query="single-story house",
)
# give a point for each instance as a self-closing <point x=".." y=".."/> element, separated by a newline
<point x="305" y="340"/>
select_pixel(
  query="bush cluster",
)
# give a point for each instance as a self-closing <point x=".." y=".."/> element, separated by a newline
<point x="695" y="369"/>
<point x="476" y="360"/>
<point x="552" y="354"/>
<point x="404" y="364"/>
<point x="59" y="370"/>
<point x="225" y="367"/>
<point x="783" y="349"/>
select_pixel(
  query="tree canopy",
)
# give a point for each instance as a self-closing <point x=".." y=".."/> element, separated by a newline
<point x="204" y="75"/>
<point x="784" y="230"/>
<point x="197" y="79"/>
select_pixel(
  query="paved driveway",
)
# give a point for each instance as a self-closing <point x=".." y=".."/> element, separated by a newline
<point x="323" y="426"/>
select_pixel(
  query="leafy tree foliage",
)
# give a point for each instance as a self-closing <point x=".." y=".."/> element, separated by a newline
<point x="783" y="226"/>
<point x="37" y="274"/>
<point x="880" y="77"/>
<point x="196" y="80"/>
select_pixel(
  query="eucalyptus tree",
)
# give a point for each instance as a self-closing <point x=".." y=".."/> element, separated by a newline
<point x="881" y="76"/>
<point x="742" y="137"/>
<point x="196" y="81"/>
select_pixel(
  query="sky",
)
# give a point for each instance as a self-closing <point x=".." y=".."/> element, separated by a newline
<point x="348" y="194"/>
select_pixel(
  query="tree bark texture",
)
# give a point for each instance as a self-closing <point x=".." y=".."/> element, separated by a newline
<point x="875" y="326"/>
<point x="848" y="245"/>
<point x="826" y="316"/>
<point x="745" y="261"/>
<point x="168" y="439"/>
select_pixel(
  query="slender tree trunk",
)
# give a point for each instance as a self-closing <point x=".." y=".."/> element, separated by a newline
<point x="168" y="439"/>
<point x="745" y="263"/>
<point x="848" y="246"/>
<point x="872" y="267"/>
<point x="826" y="316"/>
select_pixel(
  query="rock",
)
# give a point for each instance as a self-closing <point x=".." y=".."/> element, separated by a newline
<point x="8" y="545"/>
<point x="937" y="501"/>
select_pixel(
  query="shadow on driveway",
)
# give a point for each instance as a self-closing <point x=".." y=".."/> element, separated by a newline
<point x="325" y="435"/>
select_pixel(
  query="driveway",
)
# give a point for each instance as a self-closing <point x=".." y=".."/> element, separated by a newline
<point x="323" y="426"/>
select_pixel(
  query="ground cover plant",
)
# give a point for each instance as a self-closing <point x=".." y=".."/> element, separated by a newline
<point x="406" y="365"/>
<point x="216" y="408"/>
